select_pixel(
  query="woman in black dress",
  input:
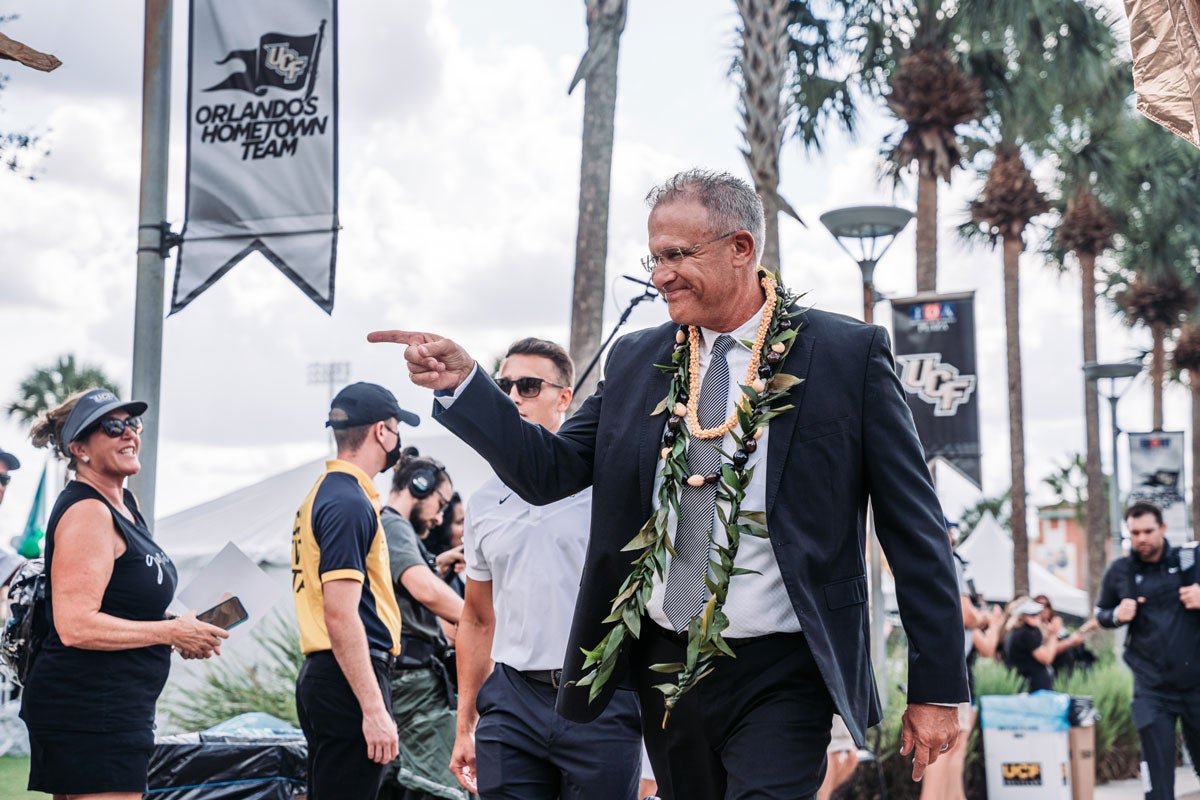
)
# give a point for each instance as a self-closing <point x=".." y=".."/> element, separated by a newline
<point x="89" y="699"/>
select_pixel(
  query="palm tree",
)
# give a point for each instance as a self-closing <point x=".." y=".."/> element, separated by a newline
<point x="47" y="387"/>
<point x="20" y="151"/>
<point x="1089" y="151"/>
<point x="598" y="69"/>
<point x="906" y="52"/>
<point x="1087" y="230"/>
<point x="786" y="53"/>
<point x="762" y="63"/>
<point x="1036" y="61"/>
<point x="1009" y="202"/>
<point x="1186" y="358"/>
<point x="1159" y="252"/>
<point x="1158" y="299"/>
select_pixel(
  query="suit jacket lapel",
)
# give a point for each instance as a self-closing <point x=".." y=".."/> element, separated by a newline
<point x="782" y="427"/>
<point x="650" y="428"/>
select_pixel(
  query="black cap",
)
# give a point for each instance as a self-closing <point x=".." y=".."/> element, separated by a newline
<point x="366" y="403"/>
<point x="9" y="460"/>
<point x="91" y="407"/>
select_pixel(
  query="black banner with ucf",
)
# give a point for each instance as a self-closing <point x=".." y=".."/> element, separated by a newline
<point x="935" y="358"/>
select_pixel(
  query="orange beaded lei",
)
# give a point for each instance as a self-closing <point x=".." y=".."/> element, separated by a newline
<point x="763" y="398"/>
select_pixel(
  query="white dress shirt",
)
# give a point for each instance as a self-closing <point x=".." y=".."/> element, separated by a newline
<point x="756" y="604"/>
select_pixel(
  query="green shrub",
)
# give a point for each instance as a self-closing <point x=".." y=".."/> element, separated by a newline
<point x="229" y="688"/>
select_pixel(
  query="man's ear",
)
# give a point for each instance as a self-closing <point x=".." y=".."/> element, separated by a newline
<point x="564" y="399"/>
<point x="743" y="249"/>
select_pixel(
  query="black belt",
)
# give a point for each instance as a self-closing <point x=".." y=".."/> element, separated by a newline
<point x="384" y="657"/>
<point x="381" y="655"/>
<point x="550" y="676"/>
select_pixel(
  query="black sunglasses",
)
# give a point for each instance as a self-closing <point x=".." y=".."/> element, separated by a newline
<point x="5" y="478"/>
<point x="526" y="387"/>
<point x="114" y="428"/>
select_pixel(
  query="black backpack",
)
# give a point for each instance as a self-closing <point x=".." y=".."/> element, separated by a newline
<point x="27" y="626"/>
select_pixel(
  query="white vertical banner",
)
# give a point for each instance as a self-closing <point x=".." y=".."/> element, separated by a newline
<point x="262" y="144"/>
<point x="1156" y="467"/>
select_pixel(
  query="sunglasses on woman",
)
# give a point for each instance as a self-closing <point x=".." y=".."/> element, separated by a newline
<point x="526" y="387"/>
<point x="115" y="428"/>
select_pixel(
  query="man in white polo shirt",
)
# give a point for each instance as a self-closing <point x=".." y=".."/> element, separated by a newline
<point x="523" y="568"/>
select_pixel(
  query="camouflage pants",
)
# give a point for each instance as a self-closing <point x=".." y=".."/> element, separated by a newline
<point x="425" y="721"/>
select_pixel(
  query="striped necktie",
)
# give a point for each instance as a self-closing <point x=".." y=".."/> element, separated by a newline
<point x="685" y="592"/>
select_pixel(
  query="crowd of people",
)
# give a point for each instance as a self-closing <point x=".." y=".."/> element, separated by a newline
<point x="572" y="620"/>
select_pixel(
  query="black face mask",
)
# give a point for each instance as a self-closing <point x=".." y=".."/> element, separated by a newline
<point x="392" y="458"/>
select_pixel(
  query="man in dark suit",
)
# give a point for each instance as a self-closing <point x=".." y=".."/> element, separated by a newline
<point x="758" y="725"/>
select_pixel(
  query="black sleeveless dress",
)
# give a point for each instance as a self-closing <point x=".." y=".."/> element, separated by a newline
<point x="90" y="713"/>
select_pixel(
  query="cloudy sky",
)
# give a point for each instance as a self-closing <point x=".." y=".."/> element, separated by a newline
<point x="459" y="184"/>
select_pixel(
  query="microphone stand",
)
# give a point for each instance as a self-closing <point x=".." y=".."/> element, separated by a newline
<point x="648" y="293"/>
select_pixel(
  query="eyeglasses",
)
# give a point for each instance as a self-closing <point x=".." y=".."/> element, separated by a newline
<point x="443" y="501"/>
<point x="526" y="387"/>
<point x="114" y="428"/>
<point x="395" y="432"/>
<point x="5" y="478"/>
<point x="673" y="256"/>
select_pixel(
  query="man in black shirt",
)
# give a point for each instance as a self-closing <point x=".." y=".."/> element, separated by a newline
<point x="1153" y="590"/>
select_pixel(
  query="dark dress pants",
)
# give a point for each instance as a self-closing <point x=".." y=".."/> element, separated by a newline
<point x="331" y="718"/>
<point x="1155" y="713"/>
<point x="525" y="751"/>
<point x="754" y="729"/>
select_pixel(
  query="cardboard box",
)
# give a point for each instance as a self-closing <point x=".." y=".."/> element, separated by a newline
<point x="1082" y="742"/>
<point x="1027" y="765"/>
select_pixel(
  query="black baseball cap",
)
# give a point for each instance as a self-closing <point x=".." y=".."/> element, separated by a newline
<point x="366" y="403"/>
<point x="9" y="460"/>
<point x="92" y="406"/>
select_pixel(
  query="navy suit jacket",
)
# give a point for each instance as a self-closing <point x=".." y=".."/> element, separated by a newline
<point x="849" y="436"/>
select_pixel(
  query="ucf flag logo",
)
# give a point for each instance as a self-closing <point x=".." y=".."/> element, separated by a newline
<point x="262" y="144"/>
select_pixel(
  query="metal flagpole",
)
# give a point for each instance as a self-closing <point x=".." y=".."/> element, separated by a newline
<point x="153" y="241"/>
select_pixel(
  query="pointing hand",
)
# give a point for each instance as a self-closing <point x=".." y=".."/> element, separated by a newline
<point x="433" y="361"/>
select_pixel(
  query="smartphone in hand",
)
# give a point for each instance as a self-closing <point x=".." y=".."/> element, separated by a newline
<point x="228" y="613"/>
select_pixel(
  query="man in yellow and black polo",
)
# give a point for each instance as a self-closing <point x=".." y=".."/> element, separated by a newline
<point x="345" y="604"/>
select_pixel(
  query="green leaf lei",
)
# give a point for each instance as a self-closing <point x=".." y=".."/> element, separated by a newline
<point x="653" y="541"/>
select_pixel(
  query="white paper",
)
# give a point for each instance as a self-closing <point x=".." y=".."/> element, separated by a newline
<point x="231" y="572"/>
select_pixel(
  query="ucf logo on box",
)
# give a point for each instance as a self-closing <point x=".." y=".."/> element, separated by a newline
<point x="1021" y="773"/>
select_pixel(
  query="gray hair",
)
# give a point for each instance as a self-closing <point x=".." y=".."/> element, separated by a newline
<point x="732" y="203"/>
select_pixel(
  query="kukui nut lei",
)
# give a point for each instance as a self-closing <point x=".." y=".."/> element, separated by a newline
<point x="764" y="396"/>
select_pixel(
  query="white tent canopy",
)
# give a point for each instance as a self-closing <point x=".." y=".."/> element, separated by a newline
<point x="988" y="552"/>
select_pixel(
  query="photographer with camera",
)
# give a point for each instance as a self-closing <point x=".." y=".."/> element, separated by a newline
<point x="423" y="699"/>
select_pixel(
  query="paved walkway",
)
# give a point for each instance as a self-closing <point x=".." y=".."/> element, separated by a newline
<point x="1187" y="787"/>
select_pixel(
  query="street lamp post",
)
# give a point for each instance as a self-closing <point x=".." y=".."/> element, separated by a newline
<point x="865" y="233"/>
<point x="1113" y="373"/>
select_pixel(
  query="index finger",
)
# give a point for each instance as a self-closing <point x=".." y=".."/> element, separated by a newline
<point x="398" y="337"/>
<point x="920" y="762"/>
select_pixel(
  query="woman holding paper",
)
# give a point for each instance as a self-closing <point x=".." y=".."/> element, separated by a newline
<point x="89" y="699"/>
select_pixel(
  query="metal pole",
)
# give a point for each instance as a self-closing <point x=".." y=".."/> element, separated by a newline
<point x="1115" y="491"/>
<point x="151" y="256"/>
<point x="878" y="609"/>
